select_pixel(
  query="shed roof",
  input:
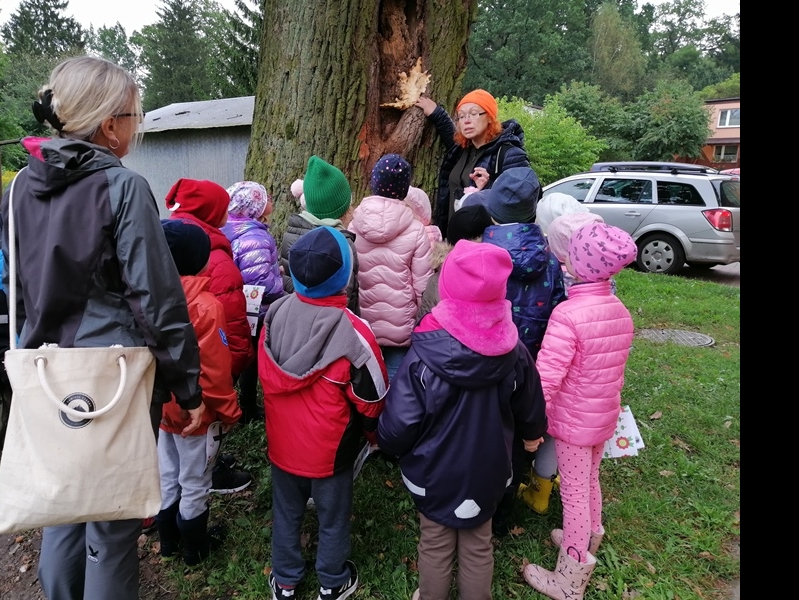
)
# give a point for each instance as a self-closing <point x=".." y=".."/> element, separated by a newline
<point x="207" y="114"/>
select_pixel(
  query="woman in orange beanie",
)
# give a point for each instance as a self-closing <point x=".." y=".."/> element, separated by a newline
<point x="479" y="147"/>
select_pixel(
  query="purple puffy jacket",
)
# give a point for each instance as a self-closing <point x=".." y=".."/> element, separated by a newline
<point x="255" y="254"/>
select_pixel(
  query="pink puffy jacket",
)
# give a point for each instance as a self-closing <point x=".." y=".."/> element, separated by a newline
<point x="581" y="364"/>
<point x="394" y="266"/>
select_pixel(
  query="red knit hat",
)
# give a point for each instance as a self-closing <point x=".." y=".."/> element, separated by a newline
<point x="482" y="99"/>
<point x="205" y="200"/>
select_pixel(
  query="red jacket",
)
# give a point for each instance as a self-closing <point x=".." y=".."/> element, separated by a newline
<point x="323" y="379"/>
<point x="208" y="318"/>
<point x="228" y="286"/>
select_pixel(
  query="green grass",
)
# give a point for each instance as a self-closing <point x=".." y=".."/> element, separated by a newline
<point x="671" y="513"/>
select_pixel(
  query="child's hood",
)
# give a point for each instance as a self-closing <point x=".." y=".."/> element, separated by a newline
<point x="194" y="285"/>
<point x="457" y="364"/>
<point x="380" y="220"/>
<point x="303" y="339"/>
<point x="527" y="246"/>
<point x="419" y="202"/>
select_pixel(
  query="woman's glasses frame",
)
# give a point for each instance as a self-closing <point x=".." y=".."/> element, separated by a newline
<point x="470" y="116"/>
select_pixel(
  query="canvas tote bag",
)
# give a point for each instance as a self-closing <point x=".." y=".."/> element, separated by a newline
<point x="80" y="445"/>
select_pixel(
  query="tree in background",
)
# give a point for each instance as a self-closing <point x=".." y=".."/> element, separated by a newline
<point x="238" y="40"/>
<point x="325" y="70"/>
<point x="556" y="143"/>
<point x="112" y="43"/>
<point x="669" y="121"/>
<point x="40" y="28"/>
<point x="729" y="88"/>
<point x="603" y="116"/>
<point x="175" y="53"/>
<point x="529" y="48"/>
<point x="618" y="63"/>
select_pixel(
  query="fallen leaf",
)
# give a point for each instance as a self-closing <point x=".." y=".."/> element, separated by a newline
<point x="655" y="415"/>
<point x="636" y="557"/>
<point x="651" y="568"/>
<point x="142" y="540"/>
<point x="24" y="568"/>
<point x="399" y="527"/>
<point x="19" y="539"/>
<point x="601" y="586"/>
<point x="412" y="86"/>
<point x="667" y="473"/>
<point x="304" y="539"/>
<point x="736" y="443"/>
<point x="727" y="424"/>
<point x="389" y="483"/>
<point x="155" y="548"/>
<point x="517" y="530"/>
<point x="705" y="554"/>
<point x="681" y="444"/>
<point x="267" y="570"/>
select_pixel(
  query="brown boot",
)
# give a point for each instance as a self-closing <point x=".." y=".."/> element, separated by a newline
<point x="556" y="535"/>
<point x="567" y="582"/>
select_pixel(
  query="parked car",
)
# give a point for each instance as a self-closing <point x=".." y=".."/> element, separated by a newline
<point x="677" y="213"/>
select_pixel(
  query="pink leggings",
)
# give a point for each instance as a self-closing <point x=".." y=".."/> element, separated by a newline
<point x="580" y="495"/>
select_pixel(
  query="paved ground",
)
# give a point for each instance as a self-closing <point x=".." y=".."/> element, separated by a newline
<point x="726" y="274"/>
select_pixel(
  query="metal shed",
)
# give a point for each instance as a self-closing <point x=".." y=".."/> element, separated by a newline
<point x="197" y="140"/>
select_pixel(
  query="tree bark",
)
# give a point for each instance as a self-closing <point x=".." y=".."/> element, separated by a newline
<point x="325" y="68"/>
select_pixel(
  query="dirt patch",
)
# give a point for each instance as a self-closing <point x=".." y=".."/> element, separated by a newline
<point x="19" y="559"/>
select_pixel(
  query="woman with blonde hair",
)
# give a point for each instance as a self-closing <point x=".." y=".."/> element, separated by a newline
<point x="93" y="271"/>
<point x="478" y="148"/>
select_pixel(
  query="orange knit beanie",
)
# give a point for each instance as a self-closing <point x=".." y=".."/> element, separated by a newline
<point x="482" y="99"/>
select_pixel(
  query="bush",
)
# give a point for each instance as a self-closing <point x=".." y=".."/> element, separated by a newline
<point x="7" y="177"/>
<point x="557" y="145"/>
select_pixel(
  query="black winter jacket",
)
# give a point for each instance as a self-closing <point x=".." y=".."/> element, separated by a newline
<point x="450" y="416"/>
<point x="514" y="155"/>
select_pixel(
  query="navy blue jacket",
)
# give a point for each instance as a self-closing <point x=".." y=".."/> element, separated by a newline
<point x="535" y="286"/>
<point x="512" y="138"/>
<point x="450" y="416"/>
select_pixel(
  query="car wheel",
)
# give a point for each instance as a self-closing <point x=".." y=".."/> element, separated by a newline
<point x="660" y="253"/>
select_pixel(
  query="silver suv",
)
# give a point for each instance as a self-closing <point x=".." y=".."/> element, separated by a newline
<point x="677" y="213"/>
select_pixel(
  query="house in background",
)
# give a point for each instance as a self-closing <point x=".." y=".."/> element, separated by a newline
<point x="722" y="150"/>
<point x="196" y="140"/>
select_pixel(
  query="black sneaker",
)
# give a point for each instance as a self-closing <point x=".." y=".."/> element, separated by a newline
<point x="343" y="591"/>
<point x="227" y="481"/>
<point x="279" y="592"/>
<point x="228" y="460"/>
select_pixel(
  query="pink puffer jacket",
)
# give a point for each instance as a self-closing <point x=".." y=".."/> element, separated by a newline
<point x="581" y="364"/>
<point x="394" y="266"/>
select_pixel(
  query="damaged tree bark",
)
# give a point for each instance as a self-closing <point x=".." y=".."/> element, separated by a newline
<point x="325" y="69"/>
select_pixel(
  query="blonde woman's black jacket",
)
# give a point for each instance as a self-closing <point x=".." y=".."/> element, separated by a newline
<point x="93" y="265"/>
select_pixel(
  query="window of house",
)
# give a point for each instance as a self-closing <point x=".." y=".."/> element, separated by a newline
<point x="730" y="117"/>
<point x="725" y="153"/>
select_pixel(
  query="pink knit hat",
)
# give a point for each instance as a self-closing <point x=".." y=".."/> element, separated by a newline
<point x="419" y="202"/>
<point x="561" y="229"/>
<point x="473" y="309"/>
<point x="598" y="251"/>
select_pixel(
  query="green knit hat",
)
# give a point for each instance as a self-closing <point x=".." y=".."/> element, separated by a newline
<point x="327" y="192"/>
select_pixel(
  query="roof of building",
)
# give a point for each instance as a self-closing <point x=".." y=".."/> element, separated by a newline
<point x="718" y="100"/>
<point x="207" y="114"/>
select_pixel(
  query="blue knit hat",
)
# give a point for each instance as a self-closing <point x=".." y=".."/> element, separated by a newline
<point x="320" y="262"/>
<point x="391" y="177"/>
<point x="512" y="198"/>
<point x="189" y="244"/>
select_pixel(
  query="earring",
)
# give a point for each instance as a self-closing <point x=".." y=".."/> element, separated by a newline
<point x="110" y="144"/>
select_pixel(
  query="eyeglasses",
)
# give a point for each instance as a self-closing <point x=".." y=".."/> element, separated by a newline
<point x="471" y="116"/>
<point x="141" y="114"/>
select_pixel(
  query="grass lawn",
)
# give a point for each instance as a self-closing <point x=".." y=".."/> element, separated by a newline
<point x="672" y="514"/>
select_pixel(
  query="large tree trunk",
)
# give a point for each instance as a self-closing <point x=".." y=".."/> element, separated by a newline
<point x="327" y="65"/>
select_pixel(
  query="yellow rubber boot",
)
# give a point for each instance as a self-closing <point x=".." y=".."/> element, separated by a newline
<point x="536" y="495"/>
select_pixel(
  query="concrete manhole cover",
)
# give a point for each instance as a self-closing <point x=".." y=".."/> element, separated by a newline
<point x="678" y="336"/>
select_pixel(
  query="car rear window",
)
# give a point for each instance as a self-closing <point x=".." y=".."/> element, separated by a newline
<point x="730" y="193"/>
<point x="679" y="194"/>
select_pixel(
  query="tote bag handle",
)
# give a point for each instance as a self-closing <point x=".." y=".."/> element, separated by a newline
<point x="41" y="361"/>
